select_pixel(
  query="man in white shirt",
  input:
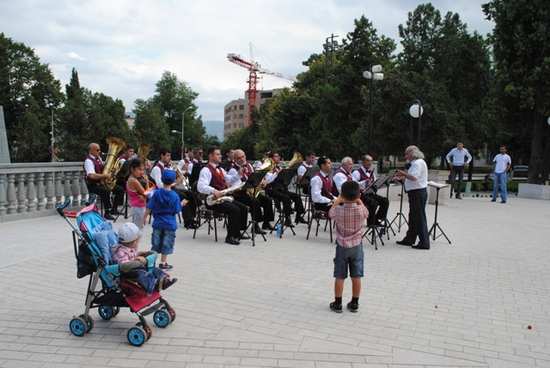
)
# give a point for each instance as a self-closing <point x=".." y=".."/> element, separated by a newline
<point x="416" y="181"/>
<point x="365" y="176"/>
<point x="307" y="164"/>
<point x="458" y="158"/>
<point x="322" y="188"/>
<point x="501" y="165"/>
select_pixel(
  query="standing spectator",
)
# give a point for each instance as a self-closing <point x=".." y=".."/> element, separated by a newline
<point x="501" y="166"/>
<point x="458" y="158"/>
<point x="349" y="219"/>
<point x="416" y="181"/>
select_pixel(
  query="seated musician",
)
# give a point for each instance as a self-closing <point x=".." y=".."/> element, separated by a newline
<point x="165" y="163"/>
<point x="365" y="176"/>
<point x="212" y="180"/>
<point x="228" y="159"/>
<point x="244" y="170"/>
<point x="322" y="188"/>
<point x="283" y="195"/>
<point x="182" y="164"/>
<point x="265" y="155"/>
<point x="195" y="165"/>
<point x="127" y="154"/>
<point x="307" y="164"/>
<point x="343" y="173"/>
<point x="93" y="169"/>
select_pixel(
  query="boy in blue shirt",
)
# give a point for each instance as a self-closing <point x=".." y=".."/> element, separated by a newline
<point x="164" y="205"/>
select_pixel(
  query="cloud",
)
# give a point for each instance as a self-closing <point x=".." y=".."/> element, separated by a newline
<point x="74" y="55"/>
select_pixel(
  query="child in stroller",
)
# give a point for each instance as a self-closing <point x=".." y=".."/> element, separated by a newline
<point x="108" y="290"/>
<point x="128" y="239"/>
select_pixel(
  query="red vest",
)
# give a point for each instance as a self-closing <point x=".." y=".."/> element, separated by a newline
<point x="216" y="182"/>
<point x="328" y="190"/>
<point x="245" y="177"/>
<point x="342" y="171"/>
<point x="98" y="167"/>
<point x="363" y="176"/>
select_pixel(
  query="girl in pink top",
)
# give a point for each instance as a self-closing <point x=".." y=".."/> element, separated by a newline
<point x="136" y="191"/>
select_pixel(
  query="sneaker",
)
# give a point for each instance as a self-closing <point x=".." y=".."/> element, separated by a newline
<point x="353" y="307"/>
<point x="165" y="266"/>
<point x="336" y="307"/>
<point x="493" y="200"/>
<point x="168" y="282"/>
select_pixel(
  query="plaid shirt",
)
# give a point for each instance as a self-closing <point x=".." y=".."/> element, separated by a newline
<point x="124" y="254"/>
<point x="349" y="218"/>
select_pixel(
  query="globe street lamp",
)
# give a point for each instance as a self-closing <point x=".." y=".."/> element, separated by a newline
<point x="373" y="74"/>
<point x="416" y="112"/>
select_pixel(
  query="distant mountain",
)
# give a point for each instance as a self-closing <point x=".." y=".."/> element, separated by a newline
<point x="214" y="127"/>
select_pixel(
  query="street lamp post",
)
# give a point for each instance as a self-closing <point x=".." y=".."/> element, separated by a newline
<point x="329" y="46"/>
<point x="53" y="138"/>
<point x="545" y="164"/>
<point x="372" y="74"/>
<point x="182" y="132"/>
<point x="416" y="111"/>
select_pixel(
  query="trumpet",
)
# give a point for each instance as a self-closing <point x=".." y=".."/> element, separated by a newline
<point x="211" y="199"/>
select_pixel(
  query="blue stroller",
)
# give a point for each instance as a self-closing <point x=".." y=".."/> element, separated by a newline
<point x="92" y="239"/>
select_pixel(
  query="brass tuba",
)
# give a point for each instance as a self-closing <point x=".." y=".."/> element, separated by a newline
<point x="143" y="151"/>
<point x="296" y="161"/>
<point x="270" y="166"/>
<point x="112" y="162"/>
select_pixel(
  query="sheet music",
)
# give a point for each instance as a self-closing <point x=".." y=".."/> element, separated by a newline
<point x="437" y="185"/>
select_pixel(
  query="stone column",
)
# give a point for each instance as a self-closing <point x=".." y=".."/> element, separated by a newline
<point x="50" y="194"/>
<point x="21" y="195"/>
<point x="40" y="191"/>
<point x="31" y="193"/>
<point x="12" y="208"/>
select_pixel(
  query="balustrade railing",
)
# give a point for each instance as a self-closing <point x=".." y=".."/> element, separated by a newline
<point x="40" y="187"/>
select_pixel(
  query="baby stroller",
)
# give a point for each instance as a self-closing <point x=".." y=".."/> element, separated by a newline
<point x="92" y="251"/>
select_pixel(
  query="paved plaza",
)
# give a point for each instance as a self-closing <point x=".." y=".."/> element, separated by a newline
<point x="482" y="301"/>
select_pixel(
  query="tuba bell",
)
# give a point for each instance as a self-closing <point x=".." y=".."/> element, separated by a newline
<point x="143" y="151"/>
<point x="112" y="162"/>
<point x="296" y="161"/>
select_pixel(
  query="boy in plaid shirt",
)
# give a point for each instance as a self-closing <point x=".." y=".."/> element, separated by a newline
<point x="349" y="218"/>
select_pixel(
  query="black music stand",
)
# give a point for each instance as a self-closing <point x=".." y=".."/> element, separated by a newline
<point x="436" y="226"/>
<point x="253" y="182"/>
<point x="304" y="184"/>
<point x="282" y="181"/>
<point x="400" y="214"/>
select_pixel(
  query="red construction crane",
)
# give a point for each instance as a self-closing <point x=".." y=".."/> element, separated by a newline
<point x="254" y="69"/>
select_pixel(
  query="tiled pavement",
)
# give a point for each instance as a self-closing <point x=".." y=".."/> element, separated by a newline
<point x="465" y="304"/>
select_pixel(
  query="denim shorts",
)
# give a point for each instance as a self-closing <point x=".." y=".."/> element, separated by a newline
<point x="162" y="240"/>
<point x="348" y="257"/>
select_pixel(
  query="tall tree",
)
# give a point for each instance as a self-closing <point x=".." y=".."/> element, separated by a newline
<point x="28" y="93"/>
<point x="521" y="93"/>
<point x="150" y="125"/>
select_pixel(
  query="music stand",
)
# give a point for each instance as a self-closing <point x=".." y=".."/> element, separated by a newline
<point x="435" y="225"/>
<point x="400" y="214"/>
<point x="282" y="181"/>
<point x="304" y="184"/>
<point x="254" y="181"/>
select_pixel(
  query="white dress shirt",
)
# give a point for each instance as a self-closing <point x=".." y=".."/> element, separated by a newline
<point x="419" y="170"/>
<point x="316" y="184"/>
<point x="205" y="176"/>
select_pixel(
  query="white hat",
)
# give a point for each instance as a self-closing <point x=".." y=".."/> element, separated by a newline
<point x="128" y="233"/>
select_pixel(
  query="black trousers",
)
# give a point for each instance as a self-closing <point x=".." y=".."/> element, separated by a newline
<point x="322" y="206"/>
<point x="256" y="205"/>
<point x="190" y="211"/>
<point x="454" y="171"/>
<point x="287" y="198"/>
<point x="418" y="226"/>
<point x="237" y="216"/>
<point x="105" y="194"/>
<point x="378" y="206"/>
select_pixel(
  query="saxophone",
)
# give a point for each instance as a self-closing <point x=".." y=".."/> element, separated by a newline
<point x="211" y="199"/>
<point x="179" y="174"/>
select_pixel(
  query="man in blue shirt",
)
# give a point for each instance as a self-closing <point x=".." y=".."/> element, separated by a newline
<point x="458" y="158"/>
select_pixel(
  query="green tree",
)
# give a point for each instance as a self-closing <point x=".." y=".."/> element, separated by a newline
<point x="520" y="98"/>
<point x="150" y="126"/>
<point x="28" y="93"/>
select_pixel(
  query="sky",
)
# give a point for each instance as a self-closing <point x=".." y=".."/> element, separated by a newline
<point x="122" y="47"/>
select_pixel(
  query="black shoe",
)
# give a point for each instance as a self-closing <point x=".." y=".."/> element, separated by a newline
<point x="403" y="242"/>
<point x="232" y="240"/>
<point x="166" y="283"/>
<point x="259" y="231"/>
<point x="493" y="200"/>
<point x="288" y="222"/>
<point x="353" y="307"/>
<point x="336" y="307"/>
<point x="458" y="196"/>
<point x="191" y="225"/>
<point x="244" y="236"/>
<point x="420" y="246"/>
<point x="381" y="223"/>
<point x="108" y="216"/>
<point x="301" y="220"/>
<point x="267" y="226"/>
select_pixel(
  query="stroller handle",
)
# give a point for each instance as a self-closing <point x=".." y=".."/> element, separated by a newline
<point x="62" y="207"/>
<point x="91" y="200"/>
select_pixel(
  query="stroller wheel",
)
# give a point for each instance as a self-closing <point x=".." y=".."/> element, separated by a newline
<point x="89" y="322"/>
<point x="78" y="326"/>
<point x="147" y="330"/>
<point x="117" y="310"/>
<point x="162" y="318"/>
<point x="107" y="312"/>
<point x="172" y="314"/>
<point x="137" y="336"/>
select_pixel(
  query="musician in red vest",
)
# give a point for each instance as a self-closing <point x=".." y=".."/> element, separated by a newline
<point x="284" y="195"/>
<point x="322" y="188"/>
<point x="240" y="167"/>
<point x="212" y="180"/>
<point x="307" y="164"/>
<point x="93" y="168"/>
<point x="343" y="173"/>
<point x="365" y="176"/>
<point x="127" y="154"/>
<point x="164" y="163"/>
